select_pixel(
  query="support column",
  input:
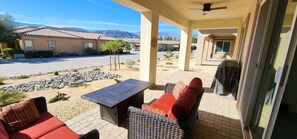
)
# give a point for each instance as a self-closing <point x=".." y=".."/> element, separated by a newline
<point x="200" y="48"/>
<point x="149" y="46"/>
<point x="185" y="49"/>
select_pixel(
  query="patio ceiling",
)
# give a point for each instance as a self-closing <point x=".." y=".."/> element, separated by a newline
<point x="191" y="9"/>
<point x="182" y="13"/>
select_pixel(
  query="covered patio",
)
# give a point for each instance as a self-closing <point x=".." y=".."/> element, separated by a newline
<point x="218" y="116"/>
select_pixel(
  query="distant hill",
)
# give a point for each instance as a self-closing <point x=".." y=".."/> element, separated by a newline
<point x="118" y="33"/>
<point x="111" y="33"/>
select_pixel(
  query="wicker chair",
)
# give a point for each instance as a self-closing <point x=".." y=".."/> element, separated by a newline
<point x="40" y="103"/>
<point x="148" y="125"/>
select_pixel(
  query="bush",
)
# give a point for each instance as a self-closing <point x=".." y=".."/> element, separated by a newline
<point x="59" y="96"/>
<point x="2" y="80"/>
<point x="104" y="52"/>
<point x="78" y="85"/>
<point x="39" y="54"/>
<point x="130" y="63"/>
<point x="117" y="80"/>
<point x="74" y="70"/>
<point x="96" y="69"/>
<point x="56" y="73"/>
<point x="63" y="54"/>
<point x="168" y="54"/>
<point x="9" y="52"/>
<point x="91" y="51"/>
<point x="22" y="77"/>
<point x="9" y="97"/>
<point x="169" y="63"/>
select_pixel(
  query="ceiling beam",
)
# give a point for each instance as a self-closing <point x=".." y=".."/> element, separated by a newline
<point x="216" y="23"/>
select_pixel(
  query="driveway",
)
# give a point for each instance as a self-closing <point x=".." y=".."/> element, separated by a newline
<point x="9" y="68"/>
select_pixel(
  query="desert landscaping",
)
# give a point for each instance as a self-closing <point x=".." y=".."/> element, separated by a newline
<point x="74" y="104"/>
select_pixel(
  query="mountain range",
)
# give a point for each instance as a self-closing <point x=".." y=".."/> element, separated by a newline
<point x="111" y="33"/>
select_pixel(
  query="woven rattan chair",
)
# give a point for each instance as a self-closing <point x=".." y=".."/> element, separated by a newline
<point x="148" y="125"/>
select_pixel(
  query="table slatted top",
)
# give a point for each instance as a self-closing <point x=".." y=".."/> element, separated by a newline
<point x="112" y="95"/>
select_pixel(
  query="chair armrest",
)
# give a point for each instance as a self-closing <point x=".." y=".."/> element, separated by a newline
<point x="93" y="134"/>
<point x="169" y="87"/>
<point x="144" y="124"/>
<point x="40" y="103"/>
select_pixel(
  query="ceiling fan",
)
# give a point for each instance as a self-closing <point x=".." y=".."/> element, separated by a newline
<point x="207" y="8"/>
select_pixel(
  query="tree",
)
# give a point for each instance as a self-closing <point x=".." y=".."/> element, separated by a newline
<point x="113" y="47"/>
<point x="6" y="28"/>
<point x="194" y="40"/>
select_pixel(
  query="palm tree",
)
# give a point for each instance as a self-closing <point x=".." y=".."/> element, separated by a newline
<point x="113" y="47"/>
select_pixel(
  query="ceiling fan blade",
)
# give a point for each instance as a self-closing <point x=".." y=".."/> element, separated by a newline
<point x="218" y="8"/>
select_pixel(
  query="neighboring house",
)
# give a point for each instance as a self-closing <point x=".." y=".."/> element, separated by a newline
<point x="59" y="40"/>
<point x="162" y="45"/>
<point x="167" y="45"/>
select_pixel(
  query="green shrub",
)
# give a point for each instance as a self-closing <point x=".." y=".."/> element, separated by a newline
<point x="74" y="70"/>
<point x="9" y="97"/>
<point x="168" y="54"/>
<point x="96" y="69"/>
<point x="130" y="63"/>
<point x="117" y="80"/>
<point x="169" y="63"/>
<point x="56" y="73"/>
<point x="59" y="96"/>
<point x="176" y="57"/>
<point x="39" y="54"/>
<point x="2" y="80"/>
<point x="22" y="77"/>
<point x="91" y="51"/>
<point x="78" y="85"/>
<point x="9" y="52"/>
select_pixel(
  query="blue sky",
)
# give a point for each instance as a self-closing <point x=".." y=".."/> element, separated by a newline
<point x="88" y="14"/>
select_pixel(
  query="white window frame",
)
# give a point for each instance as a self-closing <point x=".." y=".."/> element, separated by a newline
<point x="87" y="45"/>
<point x="223" y="46"/>
<point x="50" y="47"/>
<point x="26" y="47"/>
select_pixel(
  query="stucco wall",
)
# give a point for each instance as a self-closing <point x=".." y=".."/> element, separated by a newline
<point x="62" y="44"/>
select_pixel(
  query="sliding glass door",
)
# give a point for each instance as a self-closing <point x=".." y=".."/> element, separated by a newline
<point x="274" y="54"/>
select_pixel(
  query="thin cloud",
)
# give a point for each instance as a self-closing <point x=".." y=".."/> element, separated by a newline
<point x="99" y="4"/>
<point x="27" y="22"/>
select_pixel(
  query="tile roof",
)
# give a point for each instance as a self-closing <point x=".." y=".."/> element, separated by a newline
<point x="60" y="33"/>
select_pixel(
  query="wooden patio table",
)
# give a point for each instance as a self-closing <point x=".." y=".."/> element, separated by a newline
<point x="114" y="100"/>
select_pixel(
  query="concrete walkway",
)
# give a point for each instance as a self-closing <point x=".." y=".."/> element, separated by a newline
<point x="218" y="117"/>
<point x="9" y="68"/>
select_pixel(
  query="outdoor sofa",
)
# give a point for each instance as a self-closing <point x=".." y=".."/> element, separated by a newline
<point x="45" y="127"/>
<point x="177" y="123"/>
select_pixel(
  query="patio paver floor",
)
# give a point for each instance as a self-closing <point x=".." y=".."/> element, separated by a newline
<point x="218" y="116"/>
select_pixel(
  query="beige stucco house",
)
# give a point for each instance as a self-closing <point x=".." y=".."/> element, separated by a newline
<point x="265" y="46"/>
<point x="58" y="40"/>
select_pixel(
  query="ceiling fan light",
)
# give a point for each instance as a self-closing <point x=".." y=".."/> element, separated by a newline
<point x="205" y="12"/>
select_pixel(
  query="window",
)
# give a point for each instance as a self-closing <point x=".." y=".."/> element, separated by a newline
<point x="223" y="46"/>
<point x="29" y="45"/>
<point x="88" y="45"/>
<point x="52" y="45"/>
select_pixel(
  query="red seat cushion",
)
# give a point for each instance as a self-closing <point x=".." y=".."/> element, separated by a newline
<point x="61" y="133"/>
<point x="42" y="126"/>
<point x="165" y="102"/>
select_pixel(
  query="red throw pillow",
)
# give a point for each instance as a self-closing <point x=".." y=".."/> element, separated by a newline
<point x="184" y="104"/>
<point x="178" y="89"/>
<point x="18" y="115"/>
<point x="3" y="133"/>
<point x="152" y="109"/>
